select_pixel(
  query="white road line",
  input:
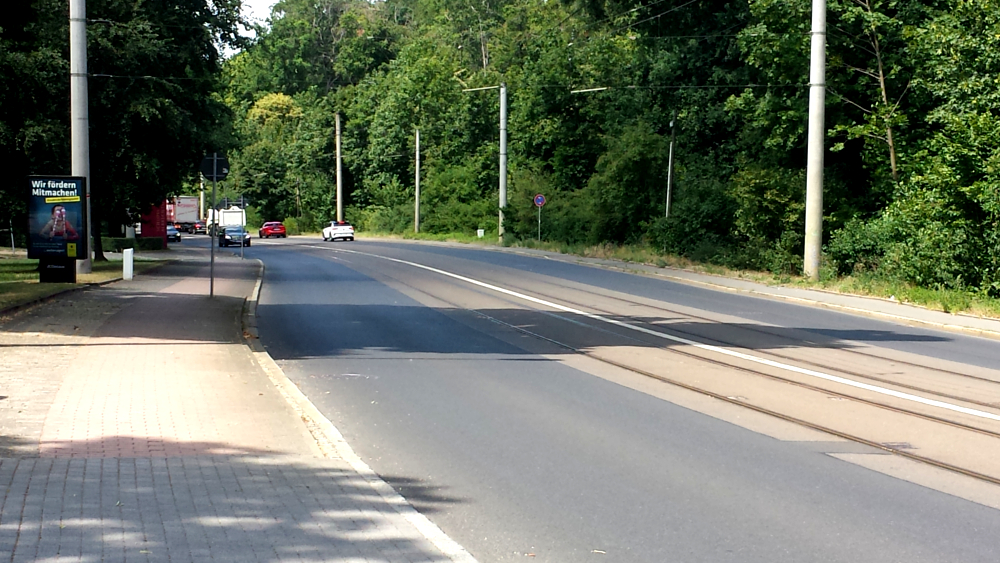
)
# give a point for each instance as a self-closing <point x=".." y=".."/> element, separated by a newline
<point x="707" y="347"/>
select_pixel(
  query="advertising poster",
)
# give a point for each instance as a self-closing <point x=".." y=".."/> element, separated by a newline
<point x="56" y="210"/>
<point x="154" y="222"/>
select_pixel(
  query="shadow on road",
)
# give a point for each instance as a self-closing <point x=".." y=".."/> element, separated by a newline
<point x="311" y="330"/>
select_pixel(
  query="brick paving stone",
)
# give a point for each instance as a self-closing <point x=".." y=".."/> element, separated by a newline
<point x="138" y="427"/>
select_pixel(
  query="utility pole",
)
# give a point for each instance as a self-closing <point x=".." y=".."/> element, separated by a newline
<point x="816" y="133"/>
<point x="215" y="225"/>
<point x="670" y="165"/>
<point x="416" y="195"/>
<point x="503" y="148"/>
<point x="242" y="227"/>
<point x="79" y="115"/>
<point x="340" y="184"/>
<point x="201" y="201"/>
<point x="503" y="156"/>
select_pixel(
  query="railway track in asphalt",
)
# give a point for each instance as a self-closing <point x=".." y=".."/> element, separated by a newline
<point x="624" y="325"/>
<point x="845" y="350"/>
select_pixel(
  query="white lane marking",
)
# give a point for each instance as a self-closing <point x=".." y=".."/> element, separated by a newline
<point x="707" y="347"/>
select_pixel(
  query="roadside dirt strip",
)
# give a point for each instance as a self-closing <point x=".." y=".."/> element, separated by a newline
<point x="944" y="415"/>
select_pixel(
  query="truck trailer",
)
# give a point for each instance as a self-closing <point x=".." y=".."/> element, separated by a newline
<point x="185" y="214"/>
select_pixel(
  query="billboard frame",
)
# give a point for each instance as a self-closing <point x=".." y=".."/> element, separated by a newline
<point x="45" y="194"/>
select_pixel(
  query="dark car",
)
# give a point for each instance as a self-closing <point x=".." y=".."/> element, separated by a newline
<point x="230" y="236"/>
<point x="173" y="235"/>
<point x="272" y="229"/>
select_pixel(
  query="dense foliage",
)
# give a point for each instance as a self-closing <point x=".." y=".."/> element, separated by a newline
<point x="913" y="116"/>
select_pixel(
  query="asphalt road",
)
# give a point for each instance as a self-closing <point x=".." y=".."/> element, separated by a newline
<point x="519" y="448"/>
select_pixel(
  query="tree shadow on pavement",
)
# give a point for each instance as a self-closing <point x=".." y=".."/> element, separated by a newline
<point x="202" y="506"/>
<point x="337" y="330"/>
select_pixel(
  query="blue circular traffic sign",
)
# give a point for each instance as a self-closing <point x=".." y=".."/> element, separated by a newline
<point x="539" y="200"/>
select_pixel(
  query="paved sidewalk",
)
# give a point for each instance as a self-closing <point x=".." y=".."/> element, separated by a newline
<point x="136" y="425"/>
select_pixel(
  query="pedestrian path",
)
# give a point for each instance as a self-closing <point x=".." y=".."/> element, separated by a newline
<point x="136" y="425"/>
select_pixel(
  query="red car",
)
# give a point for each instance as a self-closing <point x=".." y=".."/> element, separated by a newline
<point x="272" y="229"/>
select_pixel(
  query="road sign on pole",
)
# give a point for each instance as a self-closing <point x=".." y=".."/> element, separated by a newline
<point x="215" y="167"/>
<point x="539" y="202"/>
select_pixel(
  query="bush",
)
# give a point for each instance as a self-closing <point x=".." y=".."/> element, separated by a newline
<point x="700" y="223"/>
<point x="380" y="219"/>
<point x="292" y="226"/>
<point x="859" y="246"/>
<point x="254" y="220"/>
<point x="117" y="244"/>
<point x="568" y="216"/>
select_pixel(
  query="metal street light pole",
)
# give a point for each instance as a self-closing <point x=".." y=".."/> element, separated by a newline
<point x="503" y="156"/>
<point x="817" y="130"/>
<point x="670" y="166"/>
<point x="503" y="148"/>
<point x="340" y="183"/>
<point x="79" y="114"/>
<point x="416" y="195"/>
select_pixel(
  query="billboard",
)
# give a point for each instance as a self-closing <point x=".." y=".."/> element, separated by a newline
<point x="57" y="218"/>
<point x="154" y="222"/>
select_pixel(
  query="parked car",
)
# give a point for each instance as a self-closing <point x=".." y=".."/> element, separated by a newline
<point x="272" y="229"/>
<point x="338" y="230"/>
<point x="173" y="235"/>
<point x="229" y="236"/>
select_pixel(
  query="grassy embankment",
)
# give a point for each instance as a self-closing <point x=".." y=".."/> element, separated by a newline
<point x="870" y="285"/>
<point x="19" y="278"/>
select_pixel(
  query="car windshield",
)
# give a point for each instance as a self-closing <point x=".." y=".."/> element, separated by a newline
<point x="171" y="228"/>
<point x="233" y="230"/>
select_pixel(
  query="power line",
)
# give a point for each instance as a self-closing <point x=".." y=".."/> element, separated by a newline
<point x="672" y="86"/>
<point x="661" y="14"/>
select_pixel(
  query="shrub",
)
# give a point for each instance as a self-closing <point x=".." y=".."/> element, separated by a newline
<point x="292" y="226"/>
<point x="859" y="246"/>
<point x="117" y="244"/>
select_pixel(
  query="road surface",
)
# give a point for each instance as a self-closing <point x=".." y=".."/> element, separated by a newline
<point x="539" y="409"/>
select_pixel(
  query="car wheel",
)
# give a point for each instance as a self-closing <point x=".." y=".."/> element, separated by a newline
<point x="351" y="239"/>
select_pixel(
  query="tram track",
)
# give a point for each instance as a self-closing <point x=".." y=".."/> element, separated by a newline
<point x="668" y="329"/>
<point x="825" y="428"/>
<point x="764" y="410"/>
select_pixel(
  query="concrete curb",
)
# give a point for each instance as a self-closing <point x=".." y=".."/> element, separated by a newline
<point x="331" y="442"/>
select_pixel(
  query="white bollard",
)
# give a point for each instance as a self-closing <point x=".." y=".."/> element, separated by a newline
<point x="480" y="233"/>
<point x="127" y="263"/>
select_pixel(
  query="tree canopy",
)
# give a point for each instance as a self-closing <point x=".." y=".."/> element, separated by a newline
<point x="598" y="90"/>
<point x="155" y="109"/>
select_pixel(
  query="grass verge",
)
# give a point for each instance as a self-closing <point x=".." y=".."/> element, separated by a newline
<point x="19" y="279"/>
